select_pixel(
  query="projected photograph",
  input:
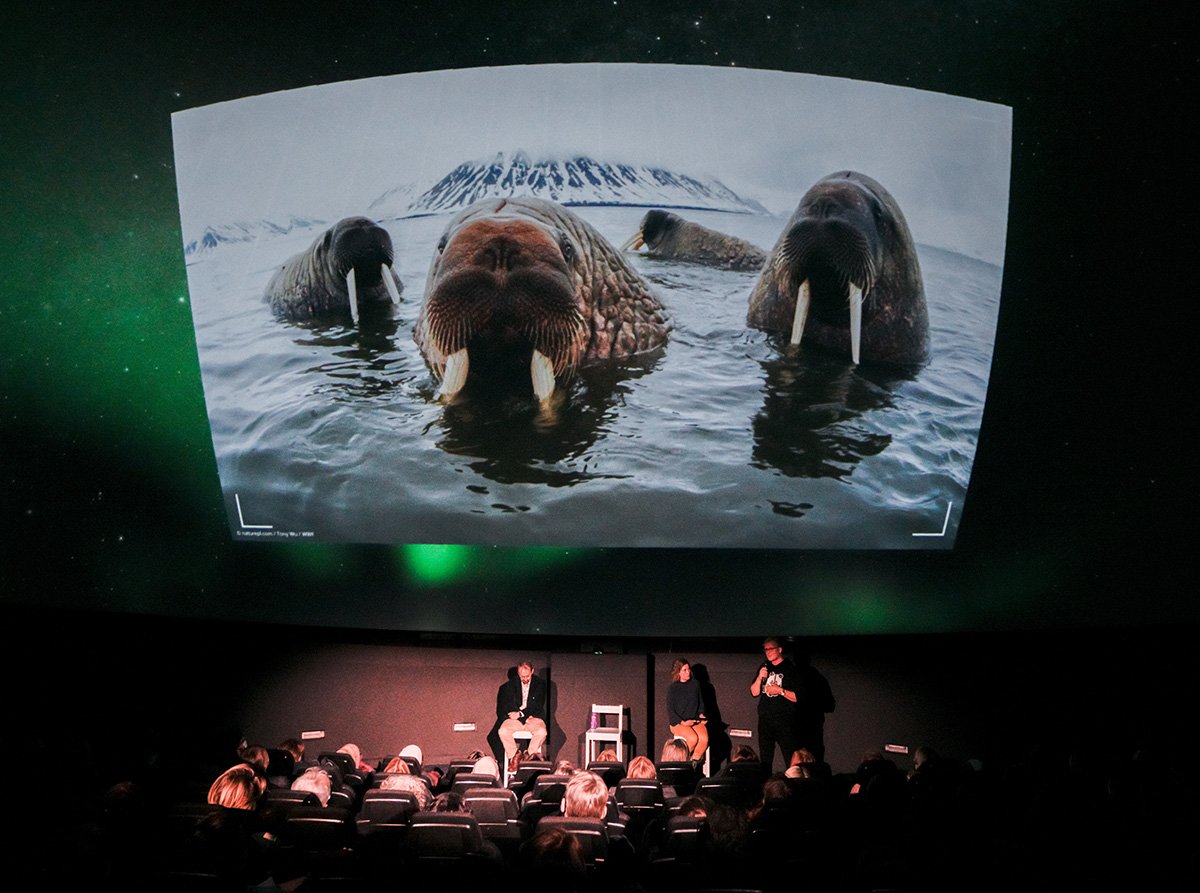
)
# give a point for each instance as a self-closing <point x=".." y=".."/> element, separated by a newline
<point x="601" y="305"/>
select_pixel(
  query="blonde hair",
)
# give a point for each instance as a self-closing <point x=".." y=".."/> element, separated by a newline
<point x="353" y="751"/>
<point x="586" y="796"/>
<point x="641" y="767"/>
<point x="238" y="787"/>
<point x="676" y="751"/>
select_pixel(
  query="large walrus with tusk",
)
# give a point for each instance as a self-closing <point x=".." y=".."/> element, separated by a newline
<point x="522" y="285"/>
<point x="844" y="276"/>
<point x="349" y="265"/>
<point x="670" y="237"/>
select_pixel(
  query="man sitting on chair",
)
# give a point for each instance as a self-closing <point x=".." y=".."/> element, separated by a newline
<point x="521" y="706"/>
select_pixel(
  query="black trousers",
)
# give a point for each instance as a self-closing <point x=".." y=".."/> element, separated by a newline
<point x="781" y="730"/>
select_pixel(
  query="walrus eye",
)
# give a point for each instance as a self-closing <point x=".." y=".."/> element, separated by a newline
<point x="441" y="246"/>
<point x="568" y="250"/>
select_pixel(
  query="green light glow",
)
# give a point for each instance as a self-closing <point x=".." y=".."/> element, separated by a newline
<point x="444" y="565"/>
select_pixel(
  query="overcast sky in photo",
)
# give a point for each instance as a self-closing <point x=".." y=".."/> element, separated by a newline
<point x="328" y="151"/>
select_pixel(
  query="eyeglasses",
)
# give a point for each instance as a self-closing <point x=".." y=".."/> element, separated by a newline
<point x="771" y="650"/>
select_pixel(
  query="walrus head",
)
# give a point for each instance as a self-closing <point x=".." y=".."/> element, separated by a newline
<point x="503" y="295"/>
<point x="831" y="256"/>
<point x="359" y="252"/>
<point x="844" y="265"/>
<point x="654" y="227"/>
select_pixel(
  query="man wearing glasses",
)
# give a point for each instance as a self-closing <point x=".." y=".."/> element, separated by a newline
<point x="775" y="687"/>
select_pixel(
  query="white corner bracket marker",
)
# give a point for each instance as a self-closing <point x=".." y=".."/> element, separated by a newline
<point x="242" y="520"/>
<point x="945" y="523"/>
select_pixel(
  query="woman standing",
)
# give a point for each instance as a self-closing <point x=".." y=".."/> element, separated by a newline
<point x="685" y="707"/>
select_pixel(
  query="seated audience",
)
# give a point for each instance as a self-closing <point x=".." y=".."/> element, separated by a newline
<point x="486" y="766"/>
<point x="315" y="780"/>
<point x="227" y="842"/>
<point x="586" y="796"/>
<point x="353" y="751"/>
<point x="295" y="747"/>
<point x="553" y="860"/>
<point x="641" y="767"/>
<point x="238" y="787"/>
<point x="256" y="756"/>
<point x="399" y="777"/>
<point x="675" y="751"/>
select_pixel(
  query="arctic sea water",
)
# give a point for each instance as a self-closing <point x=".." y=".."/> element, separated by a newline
<point x="333" y="432"/>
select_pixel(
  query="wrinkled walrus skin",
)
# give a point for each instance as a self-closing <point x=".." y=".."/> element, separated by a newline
<point x="525" y="283"/>
<point x="668" y="236"/>
<point x="847" y="244"/>
<point x="316" y="283"/>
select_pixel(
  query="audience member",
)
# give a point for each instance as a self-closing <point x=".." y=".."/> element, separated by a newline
<point x="486" y="766"/>
<point x="641" y="767"/>
<point x="355" y="754"/>
<point x="586" y="796"/>
<point x="553" y="860"/>
<point x="399" y="777"/>
<point x="256" y="756"/>
<point x="238" y="787"/>
<point x="315" y="780"/>
<point x="675" y="750"/>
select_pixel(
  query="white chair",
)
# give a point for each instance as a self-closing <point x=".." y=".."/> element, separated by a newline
<point x="610" y="729"/>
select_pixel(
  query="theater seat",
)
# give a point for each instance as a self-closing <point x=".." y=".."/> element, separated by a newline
<point x="640" y="796"/>
<point x="496" y="811"/>
<point x="592" y="835"/>
<point x="464" y="782"/>
<point x="682" y="776"/>
<point x="442" y="836"/>
<point x="386" y="809"/>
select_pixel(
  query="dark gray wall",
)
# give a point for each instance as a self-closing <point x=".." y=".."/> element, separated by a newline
<point x="385" y="696"/>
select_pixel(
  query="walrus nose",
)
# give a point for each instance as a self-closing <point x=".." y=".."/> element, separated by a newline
<point x="501" y="256"/>
<point x="822" y="208"/>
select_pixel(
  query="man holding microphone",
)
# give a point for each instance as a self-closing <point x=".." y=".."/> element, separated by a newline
<point x="775" y="687"/>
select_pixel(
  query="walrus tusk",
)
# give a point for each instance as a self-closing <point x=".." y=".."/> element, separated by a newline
<point x="390" y="283"/>
<point x="855" y="321"/>
<point x="541" y="370"/>
<point x="353" y="290"/>
<point x="803" y="301"/>
<point x="455" y="374"/>
<point x="635" y="242"/>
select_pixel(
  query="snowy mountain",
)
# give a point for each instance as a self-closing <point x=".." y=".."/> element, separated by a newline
<point x="579" y="180"/>
<point x="576" y="181"/>
<point x="393" y="204"/>
<point x="246" y="231"/>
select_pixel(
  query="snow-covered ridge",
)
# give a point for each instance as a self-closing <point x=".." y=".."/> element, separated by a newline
<point x="579" y="180"/>
<point x="247" y="231"/>
<point x="576" y="181"/>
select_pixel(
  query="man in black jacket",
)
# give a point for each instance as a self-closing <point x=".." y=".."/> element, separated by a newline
<point x="521" y="705"/>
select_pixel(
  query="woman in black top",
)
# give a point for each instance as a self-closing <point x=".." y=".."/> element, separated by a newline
<point x="685" y="707"/>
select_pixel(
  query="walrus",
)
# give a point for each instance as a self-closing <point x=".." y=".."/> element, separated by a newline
<point x="348" y="265"/>
<point x="522" y="283"/>
<point x="669" y="236"/>
<point x="844" y="276"/>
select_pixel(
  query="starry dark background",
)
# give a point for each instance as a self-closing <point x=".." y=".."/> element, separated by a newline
<point x="1084" y="476"/>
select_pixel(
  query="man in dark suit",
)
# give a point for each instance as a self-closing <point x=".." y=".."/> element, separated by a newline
<point x="521" y="705"/>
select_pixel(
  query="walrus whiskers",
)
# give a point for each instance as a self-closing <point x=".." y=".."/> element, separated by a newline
<point x="847" y="263"/>
<point x="525" y="277"/>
